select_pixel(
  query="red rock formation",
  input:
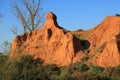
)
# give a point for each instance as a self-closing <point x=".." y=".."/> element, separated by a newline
<point x="51" y="43"/>
<point x="55" y="45"/>
<point x="104" y="42"/>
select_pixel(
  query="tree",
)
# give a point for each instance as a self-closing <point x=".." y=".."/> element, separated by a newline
<point x="117" y="14"/>
<point x="6" y="47"/>
<point x="29" y="13"/>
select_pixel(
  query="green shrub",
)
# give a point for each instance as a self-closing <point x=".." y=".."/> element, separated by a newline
<point x="96" y="69"/>
<point x="77" y="67"/>
<point x="64" y="74"/>
<point x="49" y="72"/>
<point x="24" y="69"/>
<point x="3" y="59"/>
<point x="28" y="69"/>
<point x="96" y="73"/>
<point x="73" y="71"/>
<point x="114" y="72"/>
<point x="77" y="76"/>
<point x="95" y="76"/>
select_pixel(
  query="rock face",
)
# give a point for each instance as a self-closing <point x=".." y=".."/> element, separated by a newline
<point x="55" y="45"/>
<point x="105" y="42"/>
<point x="51" y="43"/>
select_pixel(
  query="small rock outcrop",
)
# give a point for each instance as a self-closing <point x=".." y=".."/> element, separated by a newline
<point x="51" y="43"/>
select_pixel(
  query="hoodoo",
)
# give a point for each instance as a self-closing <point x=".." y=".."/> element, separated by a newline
<point x="51" y="43"/>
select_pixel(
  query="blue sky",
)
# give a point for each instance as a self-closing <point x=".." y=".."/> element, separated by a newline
<point x="71" y="14"/>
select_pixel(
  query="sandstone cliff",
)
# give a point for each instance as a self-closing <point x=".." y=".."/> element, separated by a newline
<point x="104" y="42"/>
<point x="51" y="43"/>
<point x="55" y="45"/>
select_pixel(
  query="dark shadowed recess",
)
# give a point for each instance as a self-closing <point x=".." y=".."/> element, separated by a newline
<point x="49" y="31"/>
<point x="85" y="44"/>
<point x="80" y="44"/>
<point x="118" y="41"/>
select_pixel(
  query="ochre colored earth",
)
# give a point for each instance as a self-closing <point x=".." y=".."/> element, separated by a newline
<point x="55" y="45"/>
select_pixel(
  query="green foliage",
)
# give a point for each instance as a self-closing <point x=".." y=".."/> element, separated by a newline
<point x="25" y="69"/>
<point x="94" y="76"/>
<point x="96" y="69"/>
<point x="77" y="67"/>
<point x="3" y="59"/>
<point x="96" y="73"/>
<point x="49" y="72"/>
<point x="28" y="69"/>
<point x="114" y="72"/>
<point x="64" y="74"/>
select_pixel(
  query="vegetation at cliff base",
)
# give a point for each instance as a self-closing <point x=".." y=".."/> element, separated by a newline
<point x="28" y="69"/>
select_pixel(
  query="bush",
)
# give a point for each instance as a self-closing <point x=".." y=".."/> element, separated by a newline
<point x="73" y="71"/>
<point x="49" y="72"/>
<point x="3" y="59"/>
<point x="114" y="72"/>
<point x="64" y="74"/>
<point x="24" y="69"/>
<point x="77" y="67"/>
<point x="28" y="69"/>
<point x="96" y="73"/>
<point x="96" y="69"/>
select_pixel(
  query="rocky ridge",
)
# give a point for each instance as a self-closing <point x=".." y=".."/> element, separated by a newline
<point x="51" y="43"/>
<point x="104" y="42"/>
<point x="54" y="45"/>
